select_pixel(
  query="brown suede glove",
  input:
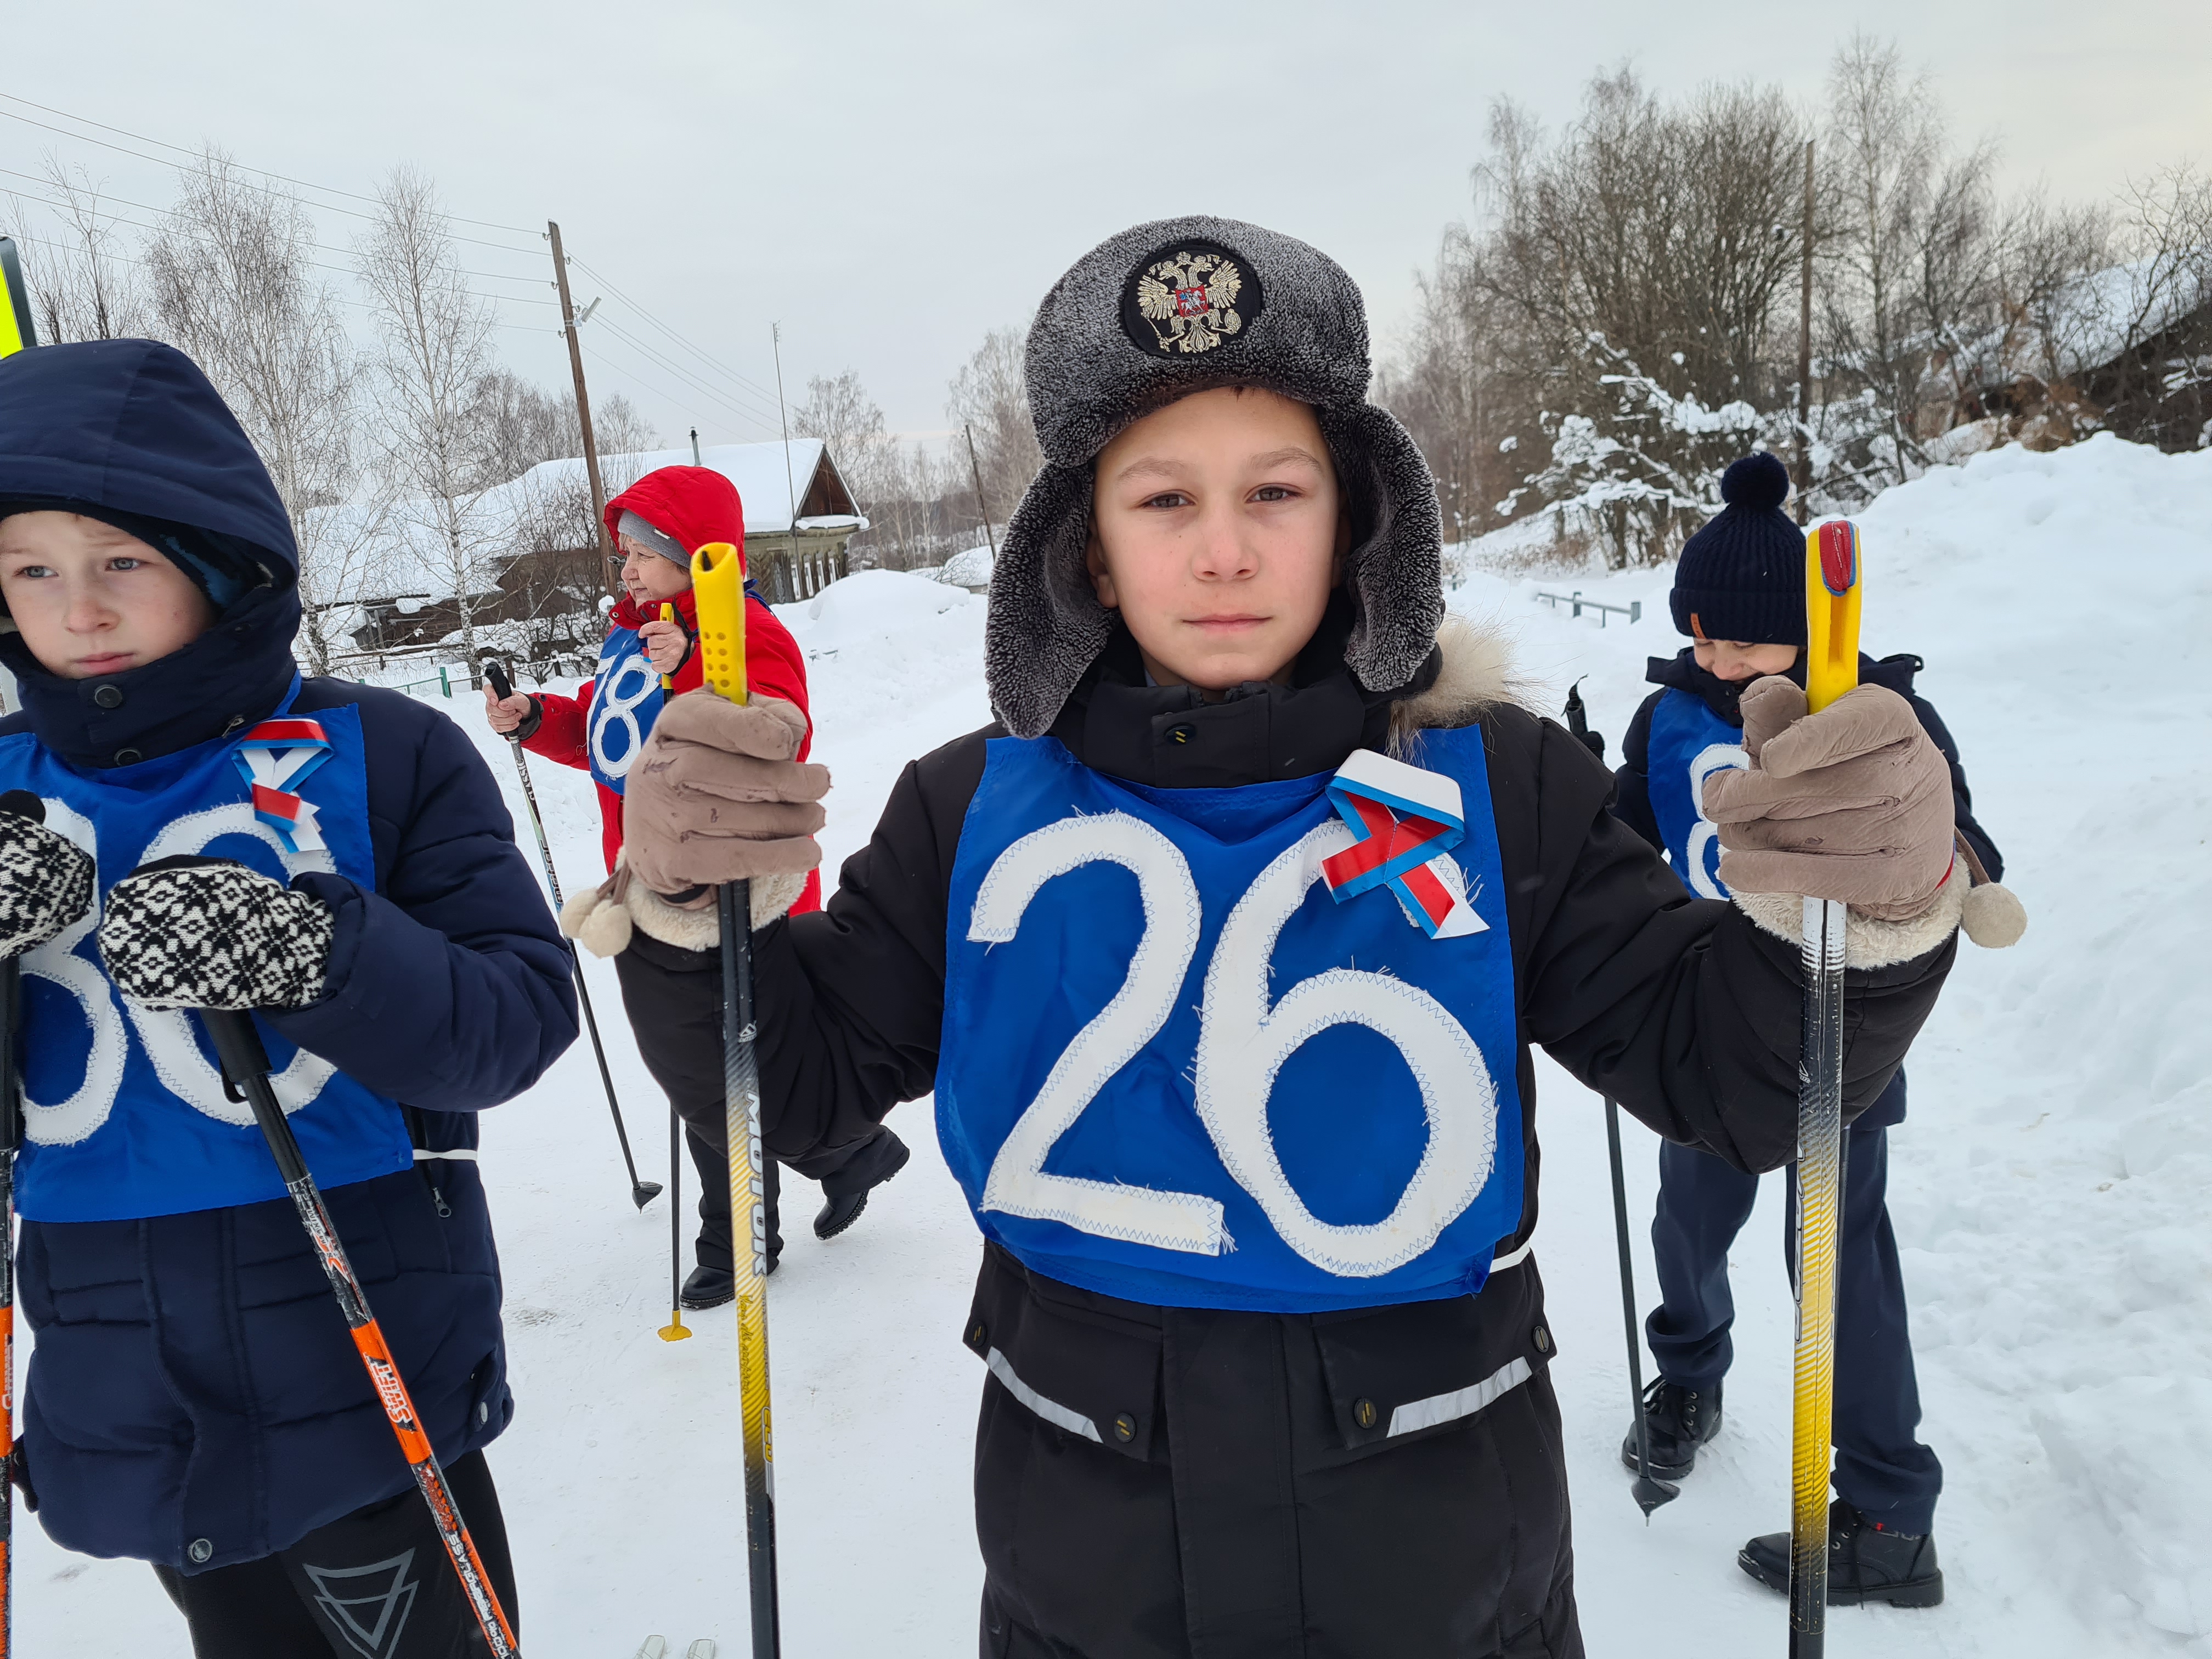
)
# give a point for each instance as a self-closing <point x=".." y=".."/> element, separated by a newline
<point x="716" y="796"/>
<point x="1853" y="803"/>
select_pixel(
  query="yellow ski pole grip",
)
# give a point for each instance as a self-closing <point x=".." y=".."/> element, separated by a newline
<point x="717" y="584"/>
<point x="1834" y="584"/>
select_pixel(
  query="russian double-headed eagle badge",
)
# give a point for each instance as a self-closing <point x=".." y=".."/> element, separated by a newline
<point x="1188" y="300"/>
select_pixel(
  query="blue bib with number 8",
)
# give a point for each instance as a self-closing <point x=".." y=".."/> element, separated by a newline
<point x="1174" y="1069"/>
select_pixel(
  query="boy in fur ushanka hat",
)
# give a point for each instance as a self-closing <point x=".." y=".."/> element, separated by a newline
<point x="1223" y="950"/>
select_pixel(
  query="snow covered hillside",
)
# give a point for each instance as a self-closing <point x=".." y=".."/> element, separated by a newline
<point x="2049" y="1189"/>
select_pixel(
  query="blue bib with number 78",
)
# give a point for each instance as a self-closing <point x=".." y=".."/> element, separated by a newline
<point x="1178" y="1069"/>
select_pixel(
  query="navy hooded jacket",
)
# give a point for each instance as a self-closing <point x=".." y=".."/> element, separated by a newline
<point x="194" y="1398"/>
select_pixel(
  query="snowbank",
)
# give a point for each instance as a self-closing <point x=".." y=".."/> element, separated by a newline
<point x="2048" y="1191"/>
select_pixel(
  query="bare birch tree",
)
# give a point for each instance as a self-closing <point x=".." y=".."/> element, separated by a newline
<point x="435" y="339"/>
<point x="232" y="275"/>
<point x="82" y="286"/>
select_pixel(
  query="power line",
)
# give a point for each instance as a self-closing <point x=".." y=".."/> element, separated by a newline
<point x="320" y="207"/>
<point x="698" y="385"/>
<point x="327" y="190"/>
<point x="205" y="240"/>
<point x="754" y="386"/>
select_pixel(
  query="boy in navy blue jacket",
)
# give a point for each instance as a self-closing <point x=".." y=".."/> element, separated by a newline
<point x="1740" y="594"/>
<point x="350" y="873"/>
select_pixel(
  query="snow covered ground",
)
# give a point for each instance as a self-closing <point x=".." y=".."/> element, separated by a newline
<point x="2049" y="1190"/>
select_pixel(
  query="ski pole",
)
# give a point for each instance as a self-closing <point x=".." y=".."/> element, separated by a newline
<point x="245" y="1076"/>
<point x="641" y="1193"/>
<point x="1648" y="1491"/>
<point x="675" y="1330"/>
<point x="1832" y="593"/>
<point x="717" y="581"/>
<point x="22" y="804"/>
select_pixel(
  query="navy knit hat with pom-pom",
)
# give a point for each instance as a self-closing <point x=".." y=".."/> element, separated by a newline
<point x="1742" y="577"/>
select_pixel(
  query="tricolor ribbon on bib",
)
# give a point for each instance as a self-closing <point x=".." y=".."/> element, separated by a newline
<point x="276" y="757"/>
<point x="1407" y="820"/>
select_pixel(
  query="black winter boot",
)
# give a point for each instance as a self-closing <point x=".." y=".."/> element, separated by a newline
<point x="846" y="1192"/>
<point x="711" y="1287"/>
<point x="1866" y="1563"/>
<point x="1679" y="1420"/>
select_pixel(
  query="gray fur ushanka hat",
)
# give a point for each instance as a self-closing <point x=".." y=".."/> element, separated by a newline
<point x="1153" y="314"/>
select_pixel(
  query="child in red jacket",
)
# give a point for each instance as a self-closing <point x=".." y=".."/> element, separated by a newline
<point x="671" y="973"/>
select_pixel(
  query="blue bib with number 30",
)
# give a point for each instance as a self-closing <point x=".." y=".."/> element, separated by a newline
<point x="1176" y="1070"/>
<point x="125" y="1113"/>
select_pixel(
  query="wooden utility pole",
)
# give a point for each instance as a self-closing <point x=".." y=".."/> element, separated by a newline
<point x="583" y="404"/>
<point x="982" y="508"/>
<point x="1805" y="347"/>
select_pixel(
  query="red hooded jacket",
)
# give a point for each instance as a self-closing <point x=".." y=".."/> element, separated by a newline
<point x="694" y="505"/>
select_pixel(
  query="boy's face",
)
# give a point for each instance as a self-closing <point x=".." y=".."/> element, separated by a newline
<point x="648" y="577"/>
<point x="1217" y="531"/>
<point x="1735" y="660"/>
<point x="91" y="599"/>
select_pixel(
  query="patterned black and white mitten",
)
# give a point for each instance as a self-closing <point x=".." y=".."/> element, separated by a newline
<point x="201" y="933"/>
<point x="46" y="883"/>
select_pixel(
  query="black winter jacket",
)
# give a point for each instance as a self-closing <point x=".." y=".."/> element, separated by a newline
<point x="1164" y="1481"/>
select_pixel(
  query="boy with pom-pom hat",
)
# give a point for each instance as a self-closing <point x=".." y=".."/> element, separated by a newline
<point x="1739" y="593"/>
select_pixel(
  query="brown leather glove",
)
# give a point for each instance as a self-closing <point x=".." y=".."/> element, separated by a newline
<point x="1853" y="803"/>
<point x="716" y="796"/>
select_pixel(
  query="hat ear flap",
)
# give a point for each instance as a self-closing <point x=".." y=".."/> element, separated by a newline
<point x="1396" y="568"/>
<point x="1046" y="626"/>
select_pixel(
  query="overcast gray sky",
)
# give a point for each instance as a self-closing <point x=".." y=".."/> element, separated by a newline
<point x="890" y="179"/>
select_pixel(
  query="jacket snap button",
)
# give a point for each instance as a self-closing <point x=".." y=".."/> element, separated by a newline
<point x="978" y="1335"/>
<point x="1362" y="1413"/>
<point x="1543" y="1341"/>
<point x="200" y="1550"/>
<point x="109" y="697"/>
<point x="1125" y="1427"/>
<point x="128" y="757"/>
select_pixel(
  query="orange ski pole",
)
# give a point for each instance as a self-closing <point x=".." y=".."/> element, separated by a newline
<point x="245" y="1070"/>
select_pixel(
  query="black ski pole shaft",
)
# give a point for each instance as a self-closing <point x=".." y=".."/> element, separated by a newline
<point x="1648" y="1492"/>
<point x="246" y="1068"/>
<point x="641" y="1193"/>
<point x="741" y="1123"/>
<point x="20" y="803"/>
<point x="675" y="1330"/>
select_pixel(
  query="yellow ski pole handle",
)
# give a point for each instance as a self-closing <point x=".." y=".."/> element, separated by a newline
<point x="1832" y="588"/>
<point x="717" y="584"/>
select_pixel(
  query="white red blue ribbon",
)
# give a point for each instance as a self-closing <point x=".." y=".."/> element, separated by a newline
<point x="277" y="756"/>
<point x="1407" y="820"/>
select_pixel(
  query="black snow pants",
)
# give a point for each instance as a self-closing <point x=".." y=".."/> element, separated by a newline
<point x="376" y="1582"/>
<point x="1882" y="1468"/>
<point x="674" y="1000"/>
<point x="1155" y="1483"/>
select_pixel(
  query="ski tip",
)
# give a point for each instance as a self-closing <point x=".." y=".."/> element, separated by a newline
<point x="654" y="1647"/>
<point x="644" y="1193"/>
<point x="1650" y="1493"/>
<point x="701" y="1649"/>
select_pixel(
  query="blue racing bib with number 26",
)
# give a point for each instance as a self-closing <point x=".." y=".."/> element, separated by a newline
<point x="1176" y="1070"/>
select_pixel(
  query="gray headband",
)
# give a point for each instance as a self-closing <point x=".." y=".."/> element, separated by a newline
<point x="659" y="541"/>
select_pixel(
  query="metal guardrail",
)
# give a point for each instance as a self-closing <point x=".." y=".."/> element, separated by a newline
<point x="1633" y="610"/>
<point x="444" y="682"/>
